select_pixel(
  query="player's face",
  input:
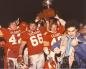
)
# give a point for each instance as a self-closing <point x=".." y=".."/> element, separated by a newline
<point x="33" y="27"/>
<point x="53" y="28"/>
<point x="71" y="31"/>
<point x="13" y="26"/>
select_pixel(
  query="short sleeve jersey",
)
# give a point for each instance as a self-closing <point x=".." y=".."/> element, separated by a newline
<point x="34" y="41"/>
<point x="13" y="40"/>
<point x="51" y="38"/>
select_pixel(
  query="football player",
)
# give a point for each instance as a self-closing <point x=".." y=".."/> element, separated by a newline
<point x="34" y="40"/>
<point x="51" y="37"/>
<point x="12" y="42"/>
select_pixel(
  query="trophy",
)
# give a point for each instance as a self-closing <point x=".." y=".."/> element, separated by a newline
<point x="47" y="3"/>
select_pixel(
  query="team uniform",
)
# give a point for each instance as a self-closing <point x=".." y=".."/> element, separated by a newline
<point x="12" y="44"/>
<point x="43" y="30"/>
<point x="52" y="38"/>
<point x="35" y="48"/>
<point x="23" y="26"/>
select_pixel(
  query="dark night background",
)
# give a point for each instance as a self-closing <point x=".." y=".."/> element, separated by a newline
<point x="27" y="9"/>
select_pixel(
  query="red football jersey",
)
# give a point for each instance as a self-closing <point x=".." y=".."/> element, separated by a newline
<point x="43" y="29"/>
<point x="12" y="41"/>
<point x="51" y="38"/>
<point x="34" y="41"/>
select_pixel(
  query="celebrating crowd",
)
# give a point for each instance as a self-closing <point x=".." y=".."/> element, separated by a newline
<point x="44" y="43"/>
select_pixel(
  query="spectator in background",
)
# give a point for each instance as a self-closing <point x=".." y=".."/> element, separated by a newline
<point x="69" y="41"/>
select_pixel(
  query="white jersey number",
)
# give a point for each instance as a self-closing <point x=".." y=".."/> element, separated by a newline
<point x="14" y="41"/>
<point x="36" y="40"/>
